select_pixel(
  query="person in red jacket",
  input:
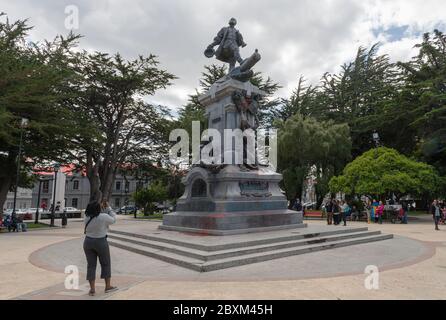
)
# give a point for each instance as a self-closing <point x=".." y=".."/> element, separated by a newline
<point x="379" y="213"/>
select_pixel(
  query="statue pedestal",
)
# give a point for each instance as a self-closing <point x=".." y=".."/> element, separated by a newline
<point x="230" y="200"/>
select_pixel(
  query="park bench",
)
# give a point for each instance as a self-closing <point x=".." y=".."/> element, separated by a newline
<point x="313" y="214"/>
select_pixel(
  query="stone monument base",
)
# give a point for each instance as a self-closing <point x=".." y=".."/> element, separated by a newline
<point x="227" y="223"/>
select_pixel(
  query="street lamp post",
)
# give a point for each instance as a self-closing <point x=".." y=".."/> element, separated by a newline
<point x="23" y="124"/>
<point x="126" y="190"/>
<point x="375" y="137"/>
<point x="36" y="221"/>
<point x="53" y="211"/>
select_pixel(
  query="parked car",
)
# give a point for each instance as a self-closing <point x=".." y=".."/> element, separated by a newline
<point x="70" y="209"/>
<point x="127" y="210"/>
<point x="33" y="210"/>
<point x="72" y="212"/>
<point x="7" y="212"/>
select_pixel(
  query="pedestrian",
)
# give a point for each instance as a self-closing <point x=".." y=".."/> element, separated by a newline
<point x="297" y="205"/>
<point x="329" y="209"/>
<point x="379" y="213"/>
<point x="405" y="208"/>
<point x="10" y="223"/>
<point x="443" y="213"/>
<point x="356" y="214"/>
<point x="64" y="219"/>
<point x="345" y="208"/>
<point x="96" y="245"/>
<point x="375" y="205"/>
<point x="336" y="212"/>
<point x="21" y="225"/>
<point x="436" y="213"/>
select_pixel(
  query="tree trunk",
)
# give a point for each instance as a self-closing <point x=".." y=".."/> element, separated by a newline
<point x="95" y="192"/>
<point x="93" y="178"/>
<point x="5" y="184"/>
<point x="107" y="183"/>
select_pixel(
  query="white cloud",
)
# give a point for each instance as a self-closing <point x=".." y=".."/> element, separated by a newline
<point x="294" y="37"/>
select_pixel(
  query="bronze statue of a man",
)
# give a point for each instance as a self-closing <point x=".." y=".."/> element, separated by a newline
<point x="228" y="39"/>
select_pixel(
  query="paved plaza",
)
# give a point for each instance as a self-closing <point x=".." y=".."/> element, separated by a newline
<point x="412" y="265"/>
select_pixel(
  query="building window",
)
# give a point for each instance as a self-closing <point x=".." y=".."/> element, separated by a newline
<point x="76" y="185"/>
<point x="117" y="203"/>
<point x="45" y="186"/>
<point x="118" y="185"/>
<point x="127" y="186"/>
<point x="74" y="202"/>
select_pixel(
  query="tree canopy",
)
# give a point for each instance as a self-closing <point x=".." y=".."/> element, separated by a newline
<point x="383" y="171"/>
<point x="307" y="146"/>
<point x="423" y="98"/>
<point x="148" y="197"/>
<point x="35" y="83"/>
<point x="128" y="129"/>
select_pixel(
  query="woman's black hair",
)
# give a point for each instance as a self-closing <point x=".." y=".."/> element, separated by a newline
<point x="93" y="209"/>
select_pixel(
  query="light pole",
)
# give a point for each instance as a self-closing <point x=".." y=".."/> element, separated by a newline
<point x="23" y="124"/>
<point x="36" y="221"/>
<point x="126" y="190"/>
<point x="56" y="169"/>
<point x="375" y="137"/>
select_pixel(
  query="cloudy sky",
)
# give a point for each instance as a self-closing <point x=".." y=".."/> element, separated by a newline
<point x="295" y="37"/>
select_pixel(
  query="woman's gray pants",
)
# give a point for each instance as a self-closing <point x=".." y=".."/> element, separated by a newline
<point x="95" y="248"/>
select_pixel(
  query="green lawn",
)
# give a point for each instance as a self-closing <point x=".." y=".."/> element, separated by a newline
<point x="152" y="216"/>
<point x="418" y="213"/>
<point x="32" y="225"/>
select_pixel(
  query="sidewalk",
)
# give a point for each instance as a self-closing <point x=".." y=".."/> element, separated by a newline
<point x="20" y="279"/>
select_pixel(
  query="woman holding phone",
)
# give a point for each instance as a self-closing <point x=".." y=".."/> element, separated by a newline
<point x="98" y="217"/>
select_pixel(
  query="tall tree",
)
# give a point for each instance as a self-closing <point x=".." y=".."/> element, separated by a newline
<point x="423" y="98"/>
<point x="308" y="146"/>
<point x="359" y="95"/>
<point x="302" y="100"/>
<point x="35" y="84"/>
<point x="129" y="129"/>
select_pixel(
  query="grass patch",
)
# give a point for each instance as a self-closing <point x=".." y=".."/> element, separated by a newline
<point x="32" y="225"/>
<point x="151" y="216"/>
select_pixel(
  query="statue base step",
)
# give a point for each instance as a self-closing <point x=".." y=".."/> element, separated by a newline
<point x="227" y="223"/>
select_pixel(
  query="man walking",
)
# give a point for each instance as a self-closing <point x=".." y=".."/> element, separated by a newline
<point x="329" y="210"/>
<point x="436" y="213"/>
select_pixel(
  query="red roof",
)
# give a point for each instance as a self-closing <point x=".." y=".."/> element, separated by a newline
<point x="68" y="169"/>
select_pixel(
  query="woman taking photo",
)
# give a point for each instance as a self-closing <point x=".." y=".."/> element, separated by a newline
<point x="97" y="220"/>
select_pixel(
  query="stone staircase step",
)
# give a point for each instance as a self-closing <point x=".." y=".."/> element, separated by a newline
<point x="296" y="235"/>
<point x="221" y="254"/>
<point x="233" y="261"/>
<point x="254" y="258"/>
<point x="176" y="259"/>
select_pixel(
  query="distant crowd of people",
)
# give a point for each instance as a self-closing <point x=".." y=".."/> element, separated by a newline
<point x="337" y="211"/>
<point x="13" y="223"/>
